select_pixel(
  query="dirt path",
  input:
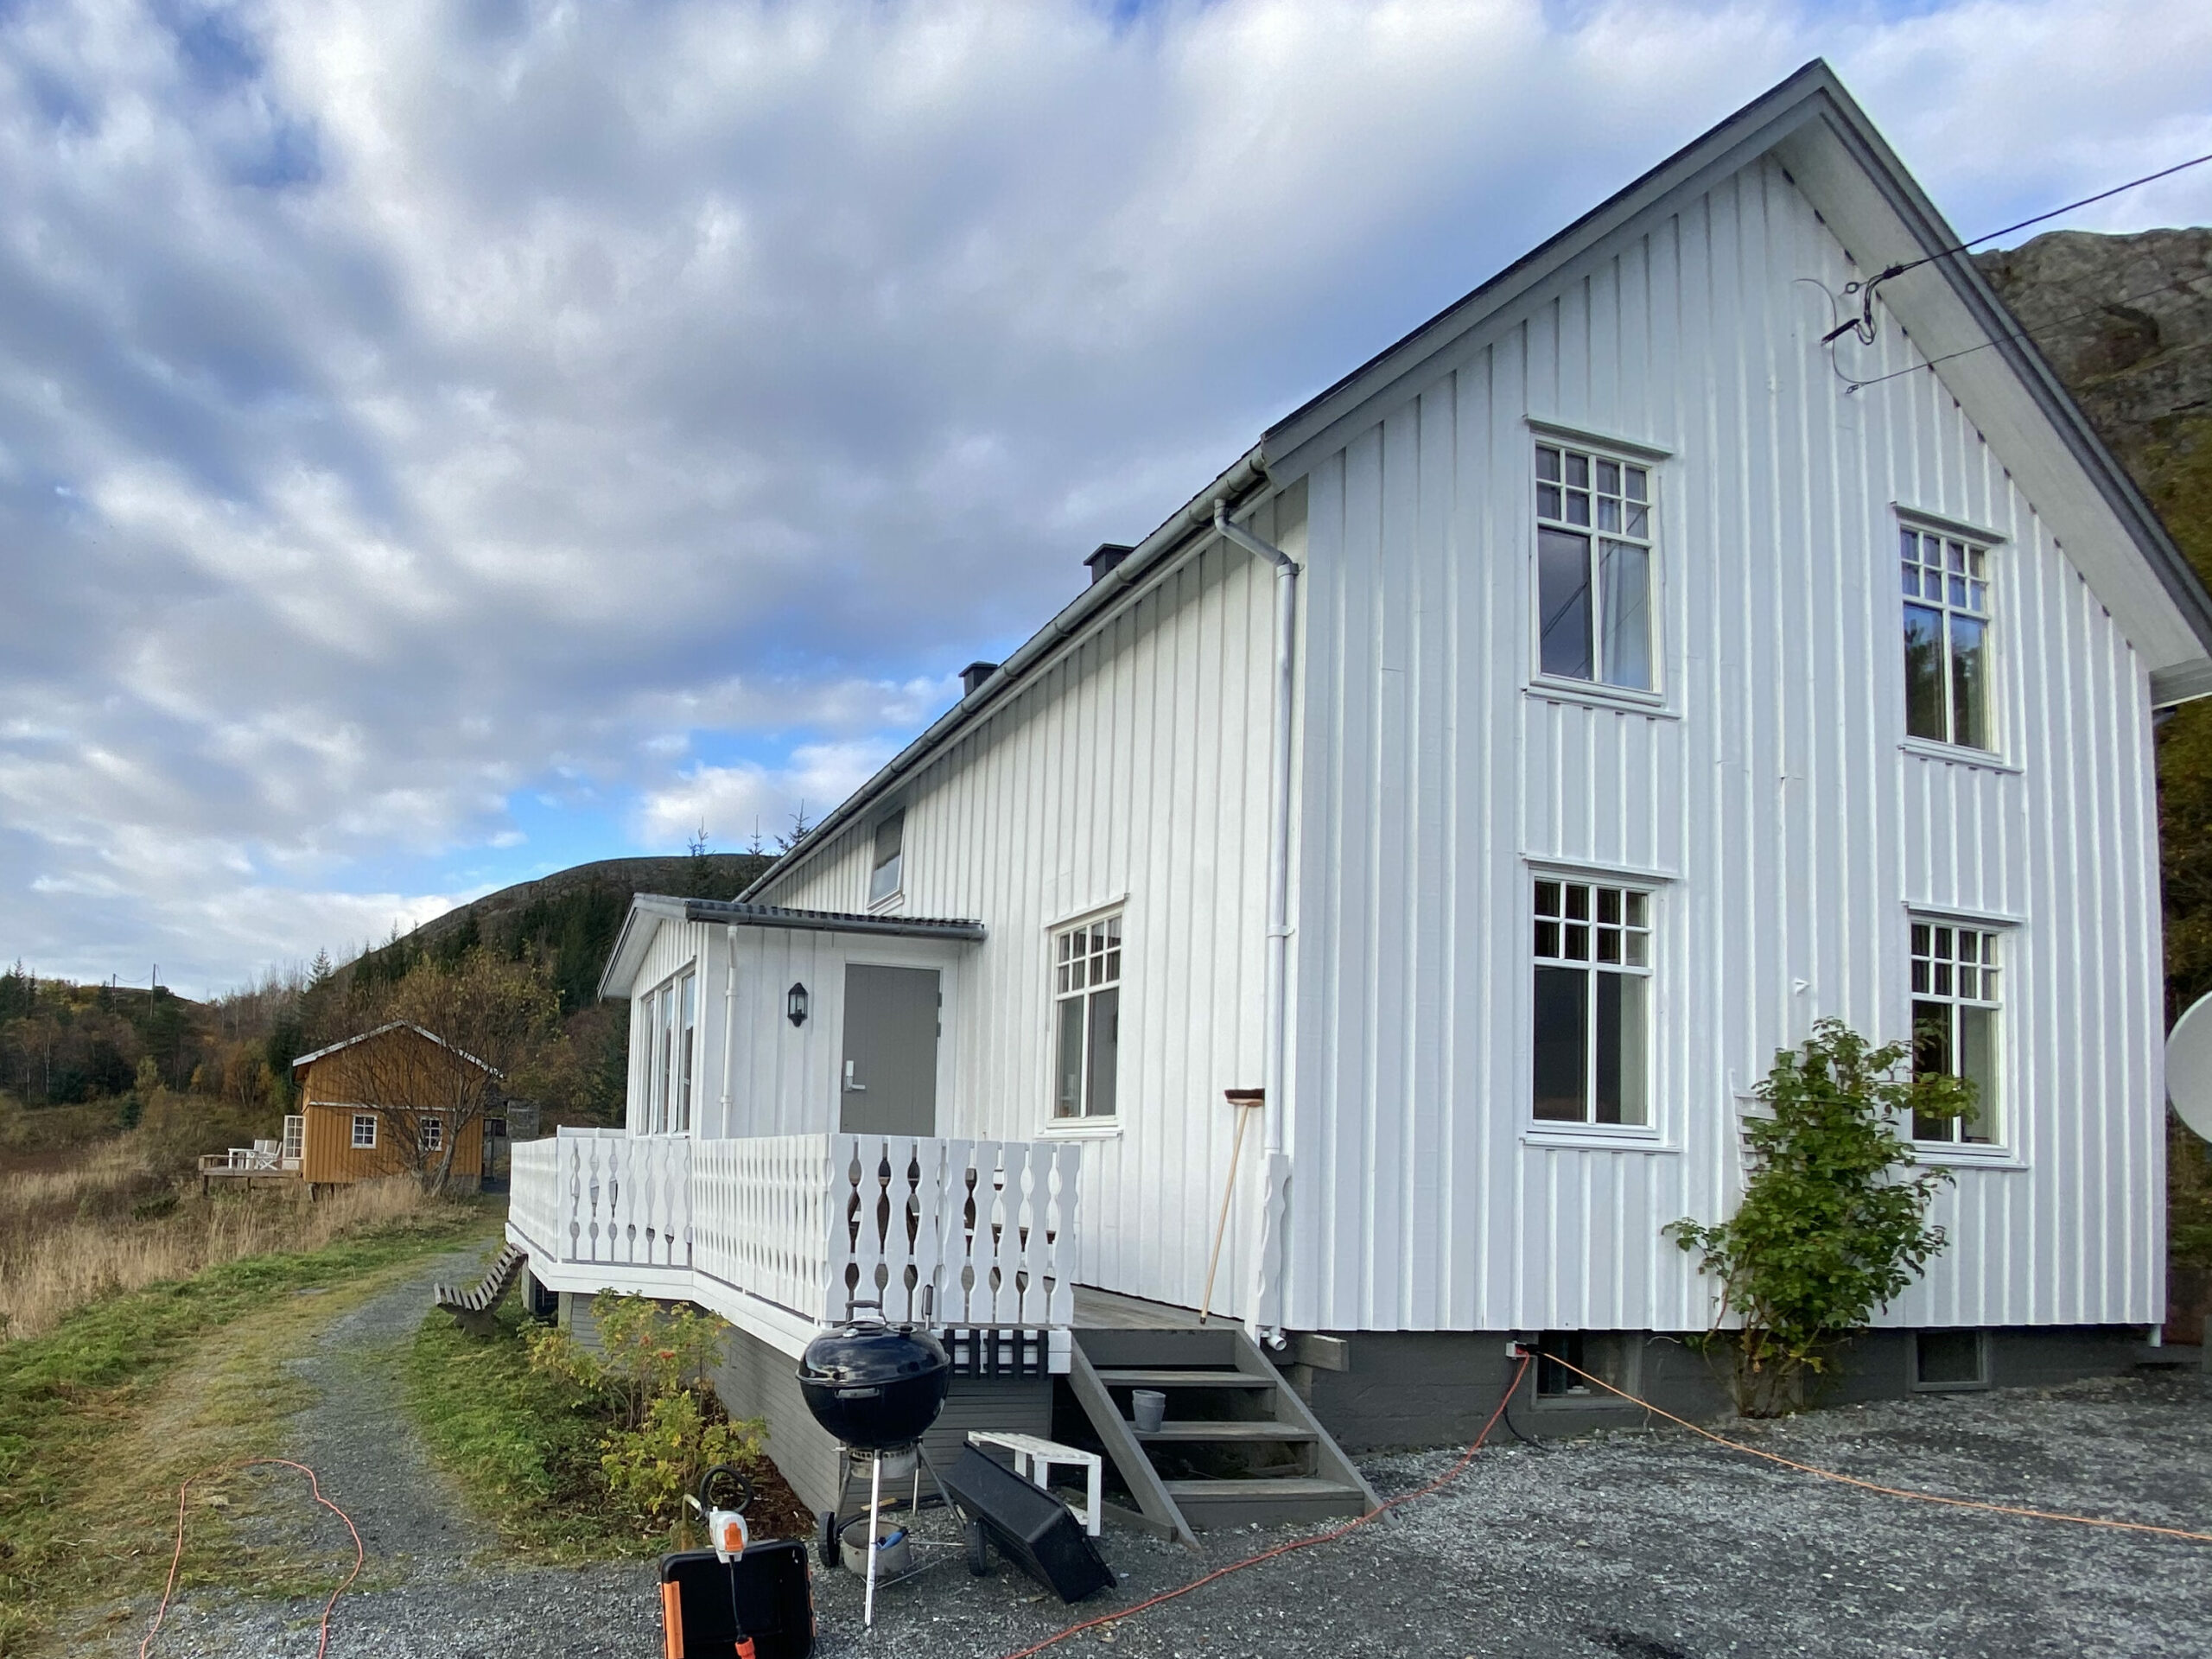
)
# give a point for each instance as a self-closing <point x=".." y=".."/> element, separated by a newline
<point x="434" y="1587"/>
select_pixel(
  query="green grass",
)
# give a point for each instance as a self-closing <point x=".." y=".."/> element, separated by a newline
<point x="101" y="1417"/>
<point x="514" y="1440"/>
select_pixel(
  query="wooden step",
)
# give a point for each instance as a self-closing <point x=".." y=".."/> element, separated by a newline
<point x="1134" y="1379"/>
<point x="1290" y="1433"/>
<point x="1241" y="1502"/>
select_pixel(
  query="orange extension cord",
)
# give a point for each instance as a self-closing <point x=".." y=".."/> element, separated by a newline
<point x="1466" y="1458"/>
<point x="1886" y="1491"/>
<point x="176" y="1560"/>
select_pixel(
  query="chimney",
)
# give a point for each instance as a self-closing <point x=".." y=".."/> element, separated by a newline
<point x="1109" y="554"/>
<point x="974" y="675"/>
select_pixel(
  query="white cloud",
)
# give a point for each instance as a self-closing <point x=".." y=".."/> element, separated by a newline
<point x="408" y="409"/>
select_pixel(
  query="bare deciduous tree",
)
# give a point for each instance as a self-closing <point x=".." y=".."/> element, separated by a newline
<point x="447" y="1042"/>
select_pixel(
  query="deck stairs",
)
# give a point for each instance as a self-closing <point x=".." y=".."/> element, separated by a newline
<point x="1238" y="1446"/>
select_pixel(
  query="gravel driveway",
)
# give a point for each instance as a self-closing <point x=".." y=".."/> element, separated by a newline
<point x="1647" y="1545"/>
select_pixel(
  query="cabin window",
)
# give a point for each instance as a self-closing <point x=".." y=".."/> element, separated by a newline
<point x="885" y="874"/>
<point x="1593" y="568"/>
<point x="364" y="1131"/>
<point x="686" y="1028"/>
<point x="1954" y="1010"/>
<point x="434" y="1133"/>
<point x="1946" y="638"/>
<point x="1087" y="1009"/>
<point x="1592" y="1003"/>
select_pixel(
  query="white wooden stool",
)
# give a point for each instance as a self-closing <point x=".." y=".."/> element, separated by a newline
<point x="1033" y="1459"/>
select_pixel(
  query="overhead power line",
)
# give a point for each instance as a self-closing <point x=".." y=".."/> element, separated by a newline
<point x="1864" y="322"/>
<point x="2026" y="334"/>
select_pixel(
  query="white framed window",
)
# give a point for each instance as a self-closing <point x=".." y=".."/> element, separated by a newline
<point x="1956" y="1005"/>
<point x="671" y="1023"/>
<point x="1946" y="669"/>
<point x="295" y="1134"/>
<point x="887" y="871"/>
<point x="1087" y="1018"/>
<point x="1592" y="1003"/>
<point x="364" y="1131"/>
<point x="1595" y="581"/>
<point x="434" y="1133"/>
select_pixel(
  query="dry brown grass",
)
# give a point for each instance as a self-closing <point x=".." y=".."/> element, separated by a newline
<point x="110" y="1222"/>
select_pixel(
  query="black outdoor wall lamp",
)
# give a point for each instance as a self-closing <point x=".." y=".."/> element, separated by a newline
<point x="795" y="1003"/>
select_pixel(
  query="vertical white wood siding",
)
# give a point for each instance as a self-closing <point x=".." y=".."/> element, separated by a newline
<point x="1133" y="772"/>
<point x="1772" y="791"/>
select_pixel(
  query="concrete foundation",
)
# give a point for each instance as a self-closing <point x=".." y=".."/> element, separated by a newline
<point x="1401" y="1388"/>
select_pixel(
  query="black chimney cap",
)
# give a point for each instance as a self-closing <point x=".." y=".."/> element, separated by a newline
<point x="974" y="675"/>
<point x="1109" y="554"/>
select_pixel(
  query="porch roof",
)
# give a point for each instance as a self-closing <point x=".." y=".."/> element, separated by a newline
<point x="629" y="946"/>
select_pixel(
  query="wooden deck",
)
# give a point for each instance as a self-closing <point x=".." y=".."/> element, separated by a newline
<point x="1109" y="1310"/>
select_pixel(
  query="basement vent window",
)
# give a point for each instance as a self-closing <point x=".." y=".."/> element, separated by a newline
<point x="1562" y="1357"/>
<point x="1949" y="1360"/>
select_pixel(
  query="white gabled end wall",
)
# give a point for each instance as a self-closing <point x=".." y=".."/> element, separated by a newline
<point x="1770" y="792"/>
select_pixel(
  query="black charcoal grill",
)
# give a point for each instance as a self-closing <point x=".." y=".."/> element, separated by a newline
<point x="876" y="1388"/>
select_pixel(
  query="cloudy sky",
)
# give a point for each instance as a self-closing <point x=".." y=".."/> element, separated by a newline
<point x="444" y="442"/>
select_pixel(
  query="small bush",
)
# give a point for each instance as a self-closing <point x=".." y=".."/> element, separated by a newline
<point x="649" y="1383"/>
<point x="1833" y="1219"/>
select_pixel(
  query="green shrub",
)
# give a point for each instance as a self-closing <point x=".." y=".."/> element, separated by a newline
<point x="649" y="1383"/>
<point x="1834" y="1220"/>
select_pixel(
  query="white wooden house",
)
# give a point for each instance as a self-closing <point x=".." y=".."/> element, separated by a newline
<point x="1497" y="764"/>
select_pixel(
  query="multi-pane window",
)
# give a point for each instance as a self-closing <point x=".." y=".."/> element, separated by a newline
<point x="434" y="1133"/>
<point x="1593" y="568"/>
<point x="671" y="1019"/>
<point x="364" y="1131"/>
<point x="1593" y="995"/>
<point x="884" y="873"/>
<point x="1954" y="1008"/>
<point x="1946" y="638"/>
<point x="1087" y="1011"/>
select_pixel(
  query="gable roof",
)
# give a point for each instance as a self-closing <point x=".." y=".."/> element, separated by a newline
<point x="1836" y="157"/>
<point x="395" y="1025"/>
<point x="648" y="910"/>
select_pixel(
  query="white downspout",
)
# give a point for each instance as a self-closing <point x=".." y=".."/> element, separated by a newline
<point x="1276" y="1060"/>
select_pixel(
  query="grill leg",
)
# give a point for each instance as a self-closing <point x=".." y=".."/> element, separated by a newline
<point x="875" y="1498"/>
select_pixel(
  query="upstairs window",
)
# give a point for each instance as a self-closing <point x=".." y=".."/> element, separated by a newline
<point x="1087" y="1011"/>
<point x="1593" y="568"/>
<point x="1946" y="638"/>
<point x="1593" y="981"/>
<point x="884" y="873"/>
<point x="1955" y="1009"/>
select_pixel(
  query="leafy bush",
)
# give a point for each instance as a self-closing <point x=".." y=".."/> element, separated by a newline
<point x="649" y="1381"/>
<point x="1833" y="1224"/>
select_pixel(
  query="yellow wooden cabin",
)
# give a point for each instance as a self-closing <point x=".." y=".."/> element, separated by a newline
<point x="365" y="1101"/>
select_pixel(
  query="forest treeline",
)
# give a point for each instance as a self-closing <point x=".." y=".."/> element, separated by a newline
<point x="63" y="1044"/>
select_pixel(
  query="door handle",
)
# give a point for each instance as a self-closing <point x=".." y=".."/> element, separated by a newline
<point x="852" y="1088"/>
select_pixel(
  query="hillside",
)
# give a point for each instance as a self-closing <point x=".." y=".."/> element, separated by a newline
<point x="572" y="915"/>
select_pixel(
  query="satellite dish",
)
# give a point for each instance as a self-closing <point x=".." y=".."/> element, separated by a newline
<point x="2188" y="1066"/>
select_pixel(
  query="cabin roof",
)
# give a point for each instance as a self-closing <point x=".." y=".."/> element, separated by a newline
<point x="1841" y="162"/>
<point x="394" y="1025"/>
<point x="630" y="946"/>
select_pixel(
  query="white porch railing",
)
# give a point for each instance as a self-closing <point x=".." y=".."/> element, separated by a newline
<point x="783" y="1233"/>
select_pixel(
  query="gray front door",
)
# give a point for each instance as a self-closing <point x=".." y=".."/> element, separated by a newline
<point x="889" y="1086"/>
